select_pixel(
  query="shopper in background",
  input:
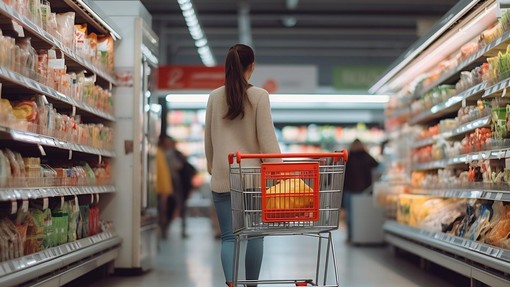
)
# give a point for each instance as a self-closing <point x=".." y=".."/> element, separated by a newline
<point x="238" y="118"/>
<point x="358" y="177"/>
<point x="182" y="177"/>
<point x="164" y="187"/>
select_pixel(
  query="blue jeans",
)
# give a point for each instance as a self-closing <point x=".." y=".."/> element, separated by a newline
<point x="254" y="248"/>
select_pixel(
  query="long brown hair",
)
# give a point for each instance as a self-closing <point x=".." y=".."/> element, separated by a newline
<point x="239" y="58"/>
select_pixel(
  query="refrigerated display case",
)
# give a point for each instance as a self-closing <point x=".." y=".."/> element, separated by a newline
<point x="54" y="164"/>
<point x="448" y="121"/>
<point x="138" y="128"/>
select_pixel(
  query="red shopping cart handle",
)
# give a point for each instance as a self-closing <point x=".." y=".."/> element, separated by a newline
<point x="335" y="155"/>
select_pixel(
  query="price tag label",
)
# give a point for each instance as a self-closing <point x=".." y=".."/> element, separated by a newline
<point x="97" y="197"/>
<point x="91" y="198"/>
<point x="45" y="203"/>
<point x="499" y="195"/>
<point x="73" y="114"/>
<point x="57" y="64"/>
<point x="62" y="201"/>
<point x="76" y="204"/>
<point x="100" y="158"/>
<point x="41" y="150"/>
<point x="24" y="205"/>
<point x="18" y="28"/>
<point x="14" y="206"/>
<point x="504" y="93"/>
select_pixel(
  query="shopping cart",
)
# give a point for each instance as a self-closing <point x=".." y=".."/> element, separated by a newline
<point x="292" y="194"/>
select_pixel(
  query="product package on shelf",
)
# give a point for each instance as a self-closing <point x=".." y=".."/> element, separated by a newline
<point x="40" y="227"/>
<point x="479" y="220"/>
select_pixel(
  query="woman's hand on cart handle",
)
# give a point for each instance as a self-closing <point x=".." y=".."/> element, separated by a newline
<point x="335" y="155"/>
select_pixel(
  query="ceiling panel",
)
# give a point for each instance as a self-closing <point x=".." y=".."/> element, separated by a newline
<point x="326" y="33"/>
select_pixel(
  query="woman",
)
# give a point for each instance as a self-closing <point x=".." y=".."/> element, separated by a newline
<point x="238" y="118"/>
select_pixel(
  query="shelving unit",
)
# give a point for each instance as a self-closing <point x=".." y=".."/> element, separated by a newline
<point x="481" y="262"/>
<point x="56" y="266"/>
<point x="69" y="261"/>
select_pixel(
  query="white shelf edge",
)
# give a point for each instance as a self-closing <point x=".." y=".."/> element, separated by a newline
<point x="47" y="91"/>
<point x="467" y="127"/>
<point x="451" y="102"/>
<point x="21" y="193"/>
<point x="44" y="35"/>
<point x="491" y="256"/>
<point x="34" y="138"/>
<point x="500" y="153"/>
<point x="480" y="193"/>
<point x="425" y="142"/>
<point x="82" y="268"/>
<point x="503" y="84"/>
<point x="26" y="268"/>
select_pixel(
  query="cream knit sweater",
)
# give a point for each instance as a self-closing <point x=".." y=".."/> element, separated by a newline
<point x="254" y="133"/>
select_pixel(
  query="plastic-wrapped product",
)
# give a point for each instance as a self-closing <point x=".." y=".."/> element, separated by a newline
<point x="84" y="214"/>
<point x="12" y="238"/>
<point x="500" y="226"/>
<point x="35" y="231"/>
<point x="60" y="223"/>
<point x="80" y="35"/>
<point x="65" y="26"/>
<point x="105" y="47"/>
<point x="481" y="224"/>
<point x="73" y="217"/>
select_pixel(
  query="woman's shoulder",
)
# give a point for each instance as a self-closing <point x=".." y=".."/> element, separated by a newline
<point x="217" y="91"/>
<point x="257" y="91"/>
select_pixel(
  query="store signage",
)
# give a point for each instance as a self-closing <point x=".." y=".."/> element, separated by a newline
<point x="273" y="78"/>
<point x="356" y="77"/>
<point x="190" y="77"/>
<point x="286" y="78"/>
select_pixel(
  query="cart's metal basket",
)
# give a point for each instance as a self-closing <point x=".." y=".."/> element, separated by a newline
<point x="300" y="195"/>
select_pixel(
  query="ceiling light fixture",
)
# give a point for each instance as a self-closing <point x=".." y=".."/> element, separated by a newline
<point x="196" y="32"/>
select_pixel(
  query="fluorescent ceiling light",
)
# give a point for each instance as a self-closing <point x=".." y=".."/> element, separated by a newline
<point x="291" y="98"/>
<point x="196" y="32"/>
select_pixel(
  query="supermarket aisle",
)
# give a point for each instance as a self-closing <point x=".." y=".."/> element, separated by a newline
<point x="194" y="262"/>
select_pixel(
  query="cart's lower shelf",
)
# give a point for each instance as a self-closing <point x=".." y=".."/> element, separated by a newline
<point x="475" y="260"/>
<point x="59" y="265"/>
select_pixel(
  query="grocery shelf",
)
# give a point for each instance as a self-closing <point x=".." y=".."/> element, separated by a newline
<point x="472" y="60"/>
<point x="448" y="106"/>
<point x="468" y="127"/>
<point x="497" y="89"/>
<point x="89" y="11"/>
<point x="94" y="251"/>
<point x="27" y="83"/>
<point x="40" y="33"/>
<point x="460" y="130"/>
<point x="465" y="192"/>
<point x="20" y="193"/>
<point x="425" y="142"/>
<point x="33" y="138"/>
<point x="499" y="153"/>
<point x="455" y="252"/>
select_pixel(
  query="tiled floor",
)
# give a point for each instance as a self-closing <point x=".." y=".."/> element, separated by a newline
<point x="194" y="262"/>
